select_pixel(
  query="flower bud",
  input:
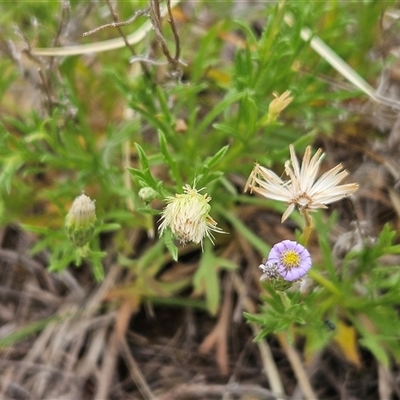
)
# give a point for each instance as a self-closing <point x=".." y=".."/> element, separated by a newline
<point x="80" y="221"/>
<point x="147" y="194"/>
<point x="272" y="274"/>
<point x="280" y="284"/>
<point x="277" y="106"/>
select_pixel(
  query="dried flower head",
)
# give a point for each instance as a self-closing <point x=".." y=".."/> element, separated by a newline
<point x="287" y="259"/>
<point x="270" y="271"/>
<point x="80" y="221"/>
<point x="187" y="215"/>
<point x="303" y="189"/>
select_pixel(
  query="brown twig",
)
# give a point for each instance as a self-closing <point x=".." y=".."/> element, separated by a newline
<point x="174" y="32"/>
<point x="155" y="16"/>
<point x="134" y="371"/>
<point x="156" y="19"/>
<point x="45" y="86"/>
<point x="48" y="73"/>
<point x="157" y="25"/>
<point x="116" y="23"/>
<point x="297" y="367"/>
<point x="106" y="45"/>
<point x="64" y="19"/>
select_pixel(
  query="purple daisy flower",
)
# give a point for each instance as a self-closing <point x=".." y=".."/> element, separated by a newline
<point x="292" y="259"/>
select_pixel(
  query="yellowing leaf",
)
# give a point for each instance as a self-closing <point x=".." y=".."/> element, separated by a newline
<point x="346" y="339"/>
<point x="219" y="76"/>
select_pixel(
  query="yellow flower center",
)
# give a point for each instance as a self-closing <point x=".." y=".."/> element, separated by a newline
<point x="290" y="259"/>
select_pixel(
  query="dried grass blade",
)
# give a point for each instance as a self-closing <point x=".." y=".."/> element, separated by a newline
<point x="341" y="66"/>
<point x="105" y="45"/>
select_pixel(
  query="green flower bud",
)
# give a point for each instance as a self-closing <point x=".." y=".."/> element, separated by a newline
<point x="280" y="284"/>
<point x="147" y="194"/>
<point x="81" y="220"/>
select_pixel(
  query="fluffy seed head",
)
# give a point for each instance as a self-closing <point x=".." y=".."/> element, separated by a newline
<point x="187" y="215"/>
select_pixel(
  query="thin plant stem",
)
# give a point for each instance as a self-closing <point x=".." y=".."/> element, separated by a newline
<point x="284" y="298"/>
<point x="117" y="24"/>
<point x="316" y="276"/>
<point x="307" y="228"/>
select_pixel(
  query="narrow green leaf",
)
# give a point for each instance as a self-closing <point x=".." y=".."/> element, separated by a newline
<point x="211" y="162"/>
<point x="169" y="243"/>
<point x="168" y="159"/>
<point x="206" y="279"/>
<point x="232" y="98"/>
<point x="259" y="244"/>
<point x="144" y="161"/>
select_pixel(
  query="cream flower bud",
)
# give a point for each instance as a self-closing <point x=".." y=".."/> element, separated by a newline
<point x="80" y="221"/>
<point x="187" y="215"/>
<point x="278" y="105"/>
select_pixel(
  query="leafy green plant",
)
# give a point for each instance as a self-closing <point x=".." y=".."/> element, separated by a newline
<point x="112" y="132"/>
<point x="361" y="291"/>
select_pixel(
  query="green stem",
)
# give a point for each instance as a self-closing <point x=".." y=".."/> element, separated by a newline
<point x="307" y="229"/>
<point x="82" y="252"/>
<point x="324" y="282"/>
<point x="285" y="299"/>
